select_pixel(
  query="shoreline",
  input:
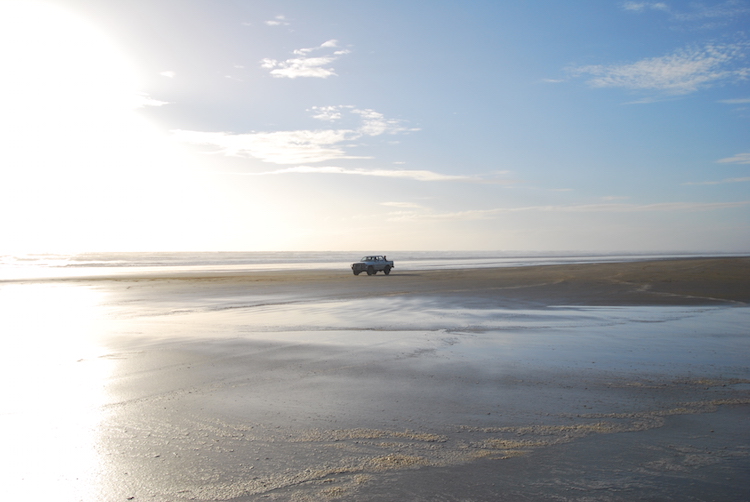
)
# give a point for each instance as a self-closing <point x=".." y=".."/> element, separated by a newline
<point x="685" y="281"/>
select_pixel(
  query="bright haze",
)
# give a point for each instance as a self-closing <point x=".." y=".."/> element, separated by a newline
<point x="204" y="125"/>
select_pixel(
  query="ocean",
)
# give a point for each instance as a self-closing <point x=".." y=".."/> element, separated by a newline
<point x="15" y="267"/>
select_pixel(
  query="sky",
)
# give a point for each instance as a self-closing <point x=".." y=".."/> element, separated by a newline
<point x="261" y="125"/>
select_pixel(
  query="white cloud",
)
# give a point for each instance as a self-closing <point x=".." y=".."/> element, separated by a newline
<point x="168" y="74"/>
<point x="712" y="16"/>
<point x="643" y="6"/>
<point x="282" y="147"/>
<point x="482" y="214"/>
<point x="740" y="158"/>
<point x="277" y="21"/>
<point x="328" y="113"/>
<point x="305" y="65"/>
<point x="142" y="99"/>
<point x="375" y="124"/>
<point x="720" y="182"/>
<point x="706" y="16"/>
<point x="682" y="72"/>
<point x="418" y="175"/>
<point x="300" y="67"/>
<point x="372" y="123"/>
<point x="405" y="205"/>
<point x="739" y="101"/>
<point x="678" y="206"/>
<point x="303" y="146"/>
<point x="630" y="208"/>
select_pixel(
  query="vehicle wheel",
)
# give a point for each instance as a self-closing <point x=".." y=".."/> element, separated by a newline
<point x="370" y="270"/>
<point x="387" y="270"/>
<point x="356" y="272"/>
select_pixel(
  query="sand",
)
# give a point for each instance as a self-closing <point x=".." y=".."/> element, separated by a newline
<point x="565" y="382"/>
<point x="664" y="282"/>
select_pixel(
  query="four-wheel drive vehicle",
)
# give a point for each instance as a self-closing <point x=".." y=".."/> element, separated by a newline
<point x="372" y="265"/>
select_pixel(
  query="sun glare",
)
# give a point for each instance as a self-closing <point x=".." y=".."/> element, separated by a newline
<point x="63" y="79"/>
<point x="80" y="167"/>
<point x="53" y="390"/>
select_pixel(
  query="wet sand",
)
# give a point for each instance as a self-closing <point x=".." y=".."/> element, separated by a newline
<point x="663" y="282"/>
<point x="569" y="382"/>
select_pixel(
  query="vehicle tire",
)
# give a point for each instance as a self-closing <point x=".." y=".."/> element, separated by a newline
<point x="387" y="270"/>
<point x="370" y="270"/>
<point x="356" y="272"/>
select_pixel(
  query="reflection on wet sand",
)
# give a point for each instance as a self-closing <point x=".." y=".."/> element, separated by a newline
<point x="226" y="460"/>
<point x="204" y="389"/>
<point x="53" y="391"/>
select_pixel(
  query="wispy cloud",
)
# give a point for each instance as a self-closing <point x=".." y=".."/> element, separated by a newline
<point x="279" y="20"/>
<point x="329" y="113"/>
<point x="282" y="147"/>
<point x="712" y="16"/>
<point x="739" y="101"/>
<point x="404" y="205"/>
<point x="680" y="73"/>
<point x="417" y="175"/>
<point x="740" y="158"/>
<point x="305" y="64"/>
<point x="644" y="6"/>
<point x="720" y="182"/>
<point x="375" y="123"/>
<point x="302" y="146"/>
<point x="142" y="99"/>
<point x="630" y="208"/>
<point x="695" y="14"/>
<point x="481" y="214"/>
<point x="371" y="122"/>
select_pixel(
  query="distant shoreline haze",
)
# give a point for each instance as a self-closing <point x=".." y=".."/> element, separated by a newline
<point x="51" y="265"/>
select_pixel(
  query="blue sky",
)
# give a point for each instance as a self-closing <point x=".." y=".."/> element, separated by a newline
<point x="298" y="125"/>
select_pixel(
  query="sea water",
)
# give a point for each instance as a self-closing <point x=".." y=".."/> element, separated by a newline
<point x="51" y="265"/>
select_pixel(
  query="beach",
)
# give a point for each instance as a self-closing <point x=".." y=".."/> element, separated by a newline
<point x="604" y="381"/>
